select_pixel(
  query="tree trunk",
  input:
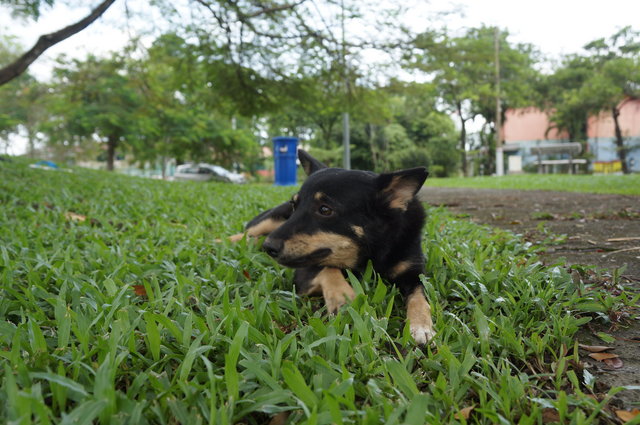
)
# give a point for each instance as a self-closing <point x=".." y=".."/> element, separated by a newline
<point x="112" y="143"/>
<point x="20" y="65"/>
<point x="31" y="137"/>
<point x="463" y="139"/>
<point x="622" y="151"/>
<point x="372" y="146"/>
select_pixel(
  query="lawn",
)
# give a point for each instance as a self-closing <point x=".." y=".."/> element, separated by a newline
<point x="619" y="184"/>
<point x="118" y="306"/>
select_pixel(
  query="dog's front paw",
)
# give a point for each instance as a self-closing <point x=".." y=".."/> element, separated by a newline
<point x="338" y="295"/>
<point x="419" y="316"/>
<point x="336" y="291"/>
<point x="421" y="334"/>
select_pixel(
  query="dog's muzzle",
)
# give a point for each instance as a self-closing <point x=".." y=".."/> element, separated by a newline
<point x="275" y="248"/>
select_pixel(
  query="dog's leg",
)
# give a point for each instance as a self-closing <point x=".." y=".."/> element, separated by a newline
<point x="266" y="222"/>
<point x="419" y="316"/>
<point x="327" y="281"/>
<point x="406" y="275"/>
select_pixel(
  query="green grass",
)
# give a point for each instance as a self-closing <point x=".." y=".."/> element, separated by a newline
<point x="136" y="315"/>
<point x="619" y="184"/>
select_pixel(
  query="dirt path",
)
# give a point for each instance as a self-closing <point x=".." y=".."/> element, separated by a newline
<point x="584" y="229"/>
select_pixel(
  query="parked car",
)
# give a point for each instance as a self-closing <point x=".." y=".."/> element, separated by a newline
<point x="206" y="172"/>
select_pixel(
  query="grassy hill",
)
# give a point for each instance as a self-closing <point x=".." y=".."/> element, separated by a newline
<point x="118" y="306"/>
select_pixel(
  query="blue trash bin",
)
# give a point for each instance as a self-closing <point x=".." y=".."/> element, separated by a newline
<point x="284" y="154"/>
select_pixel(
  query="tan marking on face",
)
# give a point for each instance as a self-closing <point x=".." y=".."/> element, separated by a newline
<point x="419" y="316"/>
<point x="358" y="230"/>
<point x="264" y="227"/>
<point x="319" y="196"/>
<point x="336" y="291"/>
<point x="296" y="197"/>
<point x="344" y="251"/>
<point x="400" y="193"/>
<point x="400" y="268"/>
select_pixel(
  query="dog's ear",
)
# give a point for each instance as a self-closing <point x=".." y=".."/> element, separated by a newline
<point x="398" y="189"/>
<point x="309" y="163"/>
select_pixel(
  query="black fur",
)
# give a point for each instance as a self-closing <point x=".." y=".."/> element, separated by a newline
<point x="342" y="219"/>
<point x="357" y="198"/>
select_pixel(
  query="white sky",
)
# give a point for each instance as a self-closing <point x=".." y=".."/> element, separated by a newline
<point x="554" y="26"/>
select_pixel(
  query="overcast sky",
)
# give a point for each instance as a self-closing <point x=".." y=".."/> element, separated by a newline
<point x="556" y="27"/>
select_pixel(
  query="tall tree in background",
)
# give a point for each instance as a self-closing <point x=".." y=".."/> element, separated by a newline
<point x="21" y="107"/>
<point x="11" y="112"/>
<point x="95" y="100"/>
<point x="558" y="96"/>
<point x="463" y="71"/>
<point x="616" y="79"/>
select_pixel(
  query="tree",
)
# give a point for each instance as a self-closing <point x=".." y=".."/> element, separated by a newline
<point x="433" y="134"/>
<point x="94" y="100"/>
<point x="616" y="78"/>
<point x="184" y="113"/>
<point x="20" y="100"/>
<point x="462" y="69"/>
<point x="33" y="8"/>
<point x="558" y="95"/>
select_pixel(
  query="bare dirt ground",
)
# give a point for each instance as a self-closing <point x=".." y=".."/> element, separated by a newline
<point x="582" y="230"/>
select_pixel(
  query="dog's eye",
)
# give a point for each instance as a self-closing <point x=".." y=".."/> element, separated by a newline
<point x="325" y="211"/>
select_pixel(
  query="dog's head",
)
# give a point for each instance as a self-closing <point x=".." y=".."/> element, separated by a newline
<point x="335" y="211"/>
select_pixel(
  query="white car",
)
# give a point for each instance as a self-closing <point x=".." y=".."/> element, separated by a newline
<point x="206" y="172"/>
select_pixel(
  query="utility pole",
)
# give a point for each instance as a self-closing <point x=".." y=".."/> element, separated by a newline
<point x="346" y="148"/>
<point x="499" y="153"/>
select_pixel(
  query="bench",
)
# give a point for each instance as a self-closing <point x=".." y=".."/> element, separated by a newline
<point x="549" y="165"/>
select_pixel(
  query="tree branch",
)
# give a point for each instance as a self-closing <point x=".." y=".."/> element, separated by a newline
<point x="273" y="9"/>
<point x="21" y="64"/>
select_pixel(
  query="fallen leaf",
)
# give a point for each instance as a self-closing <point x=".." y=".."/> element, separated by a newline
<point x="140" y="290"/>
<point x="594" y="348"/>
<point x="603" y="356"/>
<point x="550" y="415"/>
<point x="615" y="363"/>
<point x="626" y="416"/>
<point x="246" y="274"/>
<point x="633" y="238"/>
<point x="280" y="418"/>
<point x="464" y="413"/>
<point x="70" y="215"/>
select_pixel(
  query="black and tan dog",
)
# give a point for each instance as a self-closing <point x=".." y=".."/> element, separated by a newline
<point x="340" y="219"/>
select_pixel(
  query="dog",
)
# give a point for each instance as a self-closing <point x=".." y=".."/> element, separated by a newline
<point x="341" y="219"/>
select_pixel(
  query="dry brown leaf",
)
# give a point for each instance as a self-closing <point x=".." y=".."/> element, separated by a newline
<point x="140" y="290"/>
<point x="603" y="356"/>
<point x="279" y="419"/>
<point x="633" y="238"/>
<point x="465" y="413"/>
<point x="615" y="363"/>
<point x="550" y="415"/>
<point x="594" y="348"/>
<point x="626" y="416"/>
<point x="70" y="215"/>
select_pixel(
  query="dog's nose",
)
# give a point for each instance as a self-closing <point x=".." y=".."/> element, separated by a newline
<point x="273" y="246"/>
